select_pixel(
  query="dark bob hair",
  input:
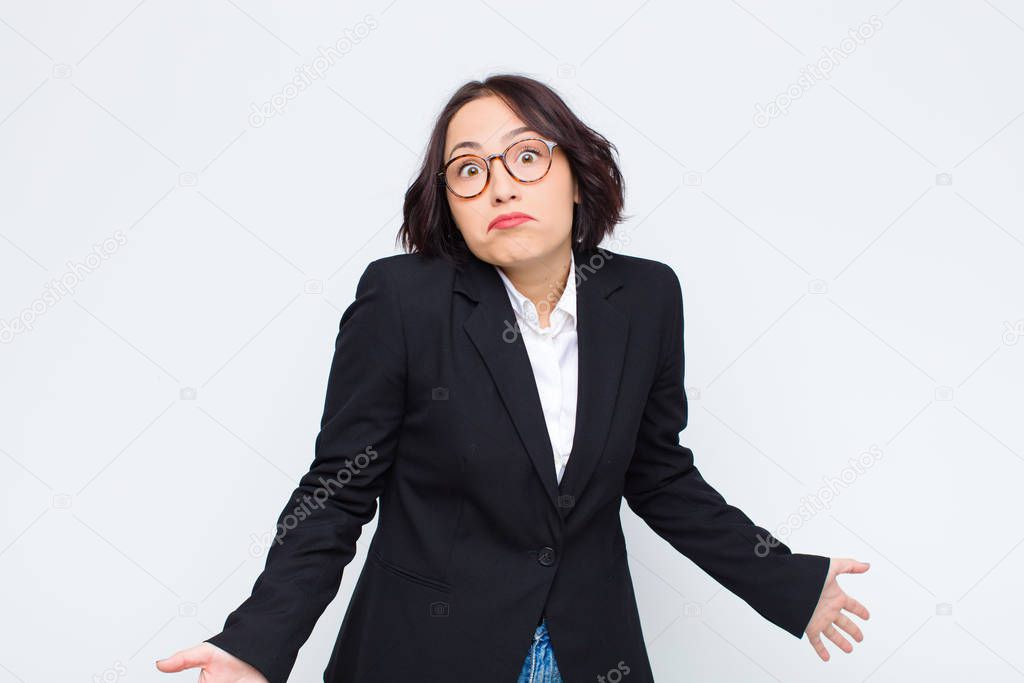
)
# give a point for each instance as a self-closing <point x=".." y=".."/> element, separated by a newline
<point x="428" y="226"/>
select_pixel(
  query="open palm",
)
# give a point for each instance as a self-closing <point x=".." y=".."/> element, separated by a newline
<point x="829" y="612"/>
<point x="217" y="666"/>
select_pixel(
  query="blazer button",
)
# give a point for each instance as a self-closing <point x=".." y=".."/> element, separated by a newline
<point x="546" y="556"/>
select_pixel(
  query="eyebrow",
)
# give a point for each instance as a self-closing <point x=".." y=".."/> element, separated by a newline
<point x="476" y="145"/>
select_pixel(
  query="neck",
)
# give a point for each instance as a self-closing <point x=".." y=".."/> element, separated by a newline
<point x="542" y="280"/>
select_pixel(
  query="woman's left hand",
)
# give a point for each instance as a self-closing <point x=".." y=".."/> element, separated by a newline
<point x="828" y="614"/>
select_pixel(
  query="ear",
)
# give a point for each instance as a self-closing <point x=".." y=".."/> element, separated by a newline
<point x="575" y="192"/>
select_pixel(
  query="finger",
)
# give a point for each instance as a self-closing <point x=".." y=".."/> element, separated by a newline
<point x="819" y="647"/>
<point x="832" y="634"/>
<point x="844" y="622"/>
<point x="183" y="659"/>
<point x="847" y="565"/>
<point x="851" y="605"/>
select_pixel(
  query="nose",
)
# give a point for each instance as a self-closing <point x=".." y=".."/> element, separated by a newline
<point x="504" y="187"/>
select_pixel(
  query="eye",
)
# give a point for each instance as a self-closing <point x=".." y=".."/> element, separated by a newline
<point x="469" y="169"/>
<point x="528" y="156"/>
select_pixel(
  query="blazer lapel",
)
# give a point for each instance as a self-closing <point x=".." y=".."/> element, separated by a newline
<point x="601" y="333"/>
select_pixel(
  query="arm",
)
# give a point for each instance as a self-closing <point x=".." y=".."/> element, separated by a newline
<point x="667" y="491"/>
<point x="319" y="526"/>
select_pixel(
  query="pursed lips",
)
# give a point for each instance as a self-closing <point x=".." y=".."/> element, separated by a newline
<point x="509" y="220"/>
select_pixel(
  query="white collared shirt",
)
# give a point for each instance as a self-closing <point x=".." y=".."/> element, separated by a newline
<point x="553" y="353"/>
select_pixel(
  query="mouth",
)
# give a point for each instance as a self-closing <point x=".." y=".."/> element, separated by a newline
<point x="508" y="220"/>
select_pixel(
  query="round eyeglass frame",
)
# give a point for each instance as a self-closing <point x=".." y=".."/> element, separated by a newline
<point x="443" y="173"/>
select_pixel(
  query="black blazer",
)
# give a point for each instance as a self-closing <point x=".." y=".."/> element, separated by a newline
<point x="432" y="407"/>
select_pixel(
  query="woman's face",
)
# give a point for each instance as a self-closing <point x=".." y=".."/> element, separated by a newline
<point x="493" y="126"/>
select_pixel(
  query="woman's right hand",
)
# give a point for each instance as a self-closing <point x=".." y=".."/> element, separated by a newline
<point x="217" y="665"/>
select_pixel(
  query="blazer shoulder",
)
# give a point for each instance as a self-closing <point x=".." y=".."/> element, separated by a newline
<point x="644" y="272"/>
<point x="405" y="265"/>
<point x="394" y="263"/>
<point x="413" y="272"/>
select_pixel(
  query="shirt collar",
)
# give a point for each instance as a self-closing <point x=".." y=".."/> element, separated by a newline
<point x="565" y="308"/>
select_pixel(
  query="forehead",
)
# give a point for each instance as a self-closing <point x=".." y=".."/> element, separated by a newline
<point x="486" y="121"/>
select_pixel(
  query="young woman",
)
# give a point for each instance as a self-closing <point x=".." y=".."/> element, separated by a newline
<point x="501" y="388"/>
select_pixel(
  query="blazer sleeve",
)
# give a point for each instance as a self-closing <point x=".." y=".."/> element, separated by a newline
<point x="318" y="528"/>
<point x="665" y="489"/>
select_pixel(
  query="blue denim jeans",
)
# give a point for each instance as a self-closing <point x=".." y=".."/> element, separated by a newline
<point x="540" y="665"/>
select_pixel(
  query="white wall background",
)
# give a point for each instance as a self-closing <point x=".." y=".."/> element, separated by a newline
<point x="851" y="268"/>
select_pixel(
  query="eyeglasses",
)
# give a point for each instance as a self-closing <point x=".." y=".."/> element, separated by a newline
<point x="527" y="161"/>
